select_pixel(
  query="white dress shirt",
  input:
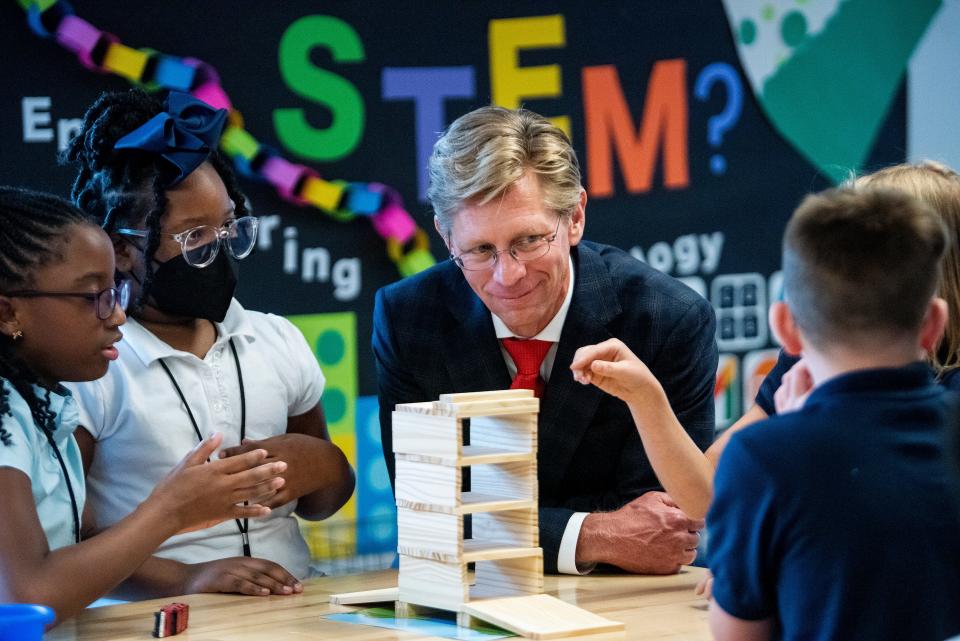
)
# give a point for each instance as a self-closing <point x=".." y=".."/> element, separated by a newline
<point x="566" y="559"/>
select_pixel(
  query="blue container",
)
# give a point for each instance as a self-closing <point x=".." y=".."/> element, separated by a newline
<point x="20" y="622"/>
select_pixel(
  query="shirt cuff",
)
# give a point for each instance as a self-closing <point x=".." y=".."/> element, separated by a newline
<point x="567" y="558"/>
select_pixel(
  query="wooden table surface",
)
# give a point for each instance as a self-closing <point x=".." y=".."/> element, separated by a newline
<point x="652" y="608"/>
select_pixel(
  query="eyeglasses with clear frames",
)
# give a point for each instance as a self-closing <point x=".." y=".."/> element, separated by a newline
<point x="524" y="250"/>
<point x="200" y="245"/>
<point x="104" y="301"/>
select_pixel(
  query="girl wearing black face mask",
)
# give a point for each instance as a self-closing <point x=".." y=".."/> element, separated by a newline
<point x="194" y="360"/>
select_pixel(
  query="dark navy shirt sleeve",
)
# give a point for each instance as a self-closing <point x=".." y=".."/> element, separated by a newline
<point x="772" y="382"/>
<point x="741" y="527"/>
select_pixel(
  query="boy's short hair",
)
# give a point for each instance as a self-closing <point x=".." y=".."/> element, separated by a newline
<point x="860" y="264"/>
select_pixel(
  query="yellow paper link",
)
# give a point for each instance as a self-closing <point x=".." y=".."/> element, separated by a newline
<point x="235" y="119"/>
<point x="322" y="193"/>
<point x="42" y="5"/>
<point x="237" y="142"/>
<point x="125" y="61"/>
<point x="421" y="242"/>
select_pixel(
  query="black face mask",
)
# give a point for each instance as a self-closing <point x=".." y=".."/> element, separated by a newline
<point x="179" y="289"/>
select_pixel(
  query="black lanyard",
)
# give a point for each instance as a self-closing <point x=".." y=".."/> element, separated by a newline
<point x="66" y="477"/>
<point x="243" y="526"/>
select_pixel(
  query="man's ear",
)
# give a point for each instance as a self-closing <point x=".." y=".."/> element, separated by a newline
<point x="578" y="220"/>
<point x="9" y="323"/>
<point x="785" y="328"/>
<point x="934" y="322"/>
<point x="446" y="241"/>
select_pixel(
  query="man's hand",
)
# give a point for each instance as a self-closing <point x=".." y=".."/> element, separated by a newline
<point x="794" y="389"/>
<point x="616" y="370"/>
<point x="243" y="575"/>
<point x="297" y="451"/>
<point x="648" y="535"/>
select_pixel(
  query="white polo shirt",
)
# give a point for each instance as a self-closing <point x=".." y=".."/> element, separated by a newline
<point x="566" y="561"/>
<point x="142" y="429"/>
<point x="30" y="452"/>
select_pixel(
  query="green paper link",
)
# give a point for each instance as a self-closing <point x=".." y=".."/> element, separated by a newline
<point x="42" y="5"/>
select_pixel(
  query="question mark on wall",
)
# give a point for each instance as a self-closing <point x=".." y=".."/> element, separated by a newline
<point x="724" y="121"/>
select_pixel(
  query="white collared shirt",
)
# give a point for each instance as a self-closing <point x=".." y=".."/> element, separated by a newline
<point x="142" y="429"/>
<point x="566" y="561"/>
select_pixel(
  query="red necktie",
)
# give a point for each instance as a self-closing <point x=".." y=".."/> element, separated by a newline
<point x="528" y="355"/>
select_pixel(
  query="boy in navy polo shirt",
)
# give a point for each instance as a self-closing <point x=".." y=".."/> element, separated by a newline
<point x="837" y="521"/>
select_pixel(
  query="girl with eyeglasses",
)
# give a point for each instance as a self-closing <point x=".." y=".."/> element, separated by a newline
<point x="60" y="311"/>
<point x="193" y="359"/>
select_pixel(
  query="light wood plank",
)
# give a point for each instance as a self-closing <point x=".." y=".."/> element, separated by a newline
<point x="541" y="616"/>
<point x="432" y="583"/>
<point x="439" y="436"/>
<point x="429" y="535"/>
<point x="489" y="408"/>
<point x="516" y="527"/>
<point x="472" y="455"/>
<point x="517" y="480"/>
<point x="474" y="550"/>
<point x="508" y="433"/>
<point x="509" y="576"/>
<point x="381" y="595"/>
<point x="464" y="397"/>
<point x="471" y="503"/>
<point x="427" y="484"/>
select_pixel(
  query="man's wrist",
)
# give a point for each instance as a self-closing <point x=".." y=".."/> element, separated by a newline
<point x="590" y="544"/>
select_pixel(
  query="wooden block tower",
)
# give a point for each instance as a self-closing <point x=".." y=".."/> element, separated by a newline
<point x="431" y="453"/>
<point x="429" y="443"/>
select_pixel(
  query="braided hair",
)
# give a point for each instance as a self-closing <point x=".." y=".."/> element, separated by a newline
<point x="33" y="229"/>
<point x="127" y="187"/>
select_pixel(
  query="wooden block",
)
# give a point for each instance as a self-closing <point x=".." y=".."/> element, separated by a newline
<point x="506" y="406"/>
<point x="474" y="551"/>
<point x="540" y="616"/>
<point x="507" y="433"/>
<point x="471" y="455"/>
<point x="429" y="435"/>
<point x="429" y="535"/>
<point x="486" y="396"/>
<point x="427" y="484"/>
<point x="517" y="480"/>
<point x="509" y="577"/>
<point x="433" y="583"/>
<point x="382" y="595"/>
<point x="516" y="527"/>
<point x="473" y="502"/>
<point x="425" y="407"/>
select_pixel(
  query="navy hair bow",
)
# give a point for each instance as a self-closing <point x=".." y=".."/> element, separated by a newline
<point x="184" y="134"/>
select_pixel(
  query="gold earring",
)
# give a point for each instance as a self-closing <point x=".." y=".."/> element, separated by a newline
<point x="17" y="335"/>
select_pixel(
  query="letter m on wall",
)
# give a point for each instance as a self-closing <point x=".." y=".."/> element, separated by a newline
<point x="609" y="128"/>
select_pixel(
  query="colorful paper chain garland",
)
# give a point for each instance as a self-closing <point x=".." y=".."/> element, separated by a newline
<point x="102" y="52"/>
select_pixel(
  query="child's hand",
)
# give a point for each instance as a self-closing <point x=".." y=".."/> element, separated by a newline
<point x="612" y="367"/>
<point x="296" y="450"/>
<point x="705" y="587"/>
<point x="199" y="494"/>
<point x="240" y="574"/>
<point x="794" y="389"/>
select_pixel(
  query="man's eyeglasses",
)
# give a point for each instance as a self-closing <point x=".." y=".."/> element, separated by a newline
<point x="199" y="245"/>
<point x="522" y="250"/>
<point x="104" y="301"/>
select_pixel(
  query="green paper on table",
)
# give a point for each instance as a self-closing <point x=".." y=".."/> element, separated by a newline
<point x="438" y="624"/>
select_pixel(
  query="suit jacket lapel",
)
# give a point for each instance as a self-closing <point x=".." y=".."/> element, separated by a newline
<point x="472" y="353"/>
<point x="568" y="407"/>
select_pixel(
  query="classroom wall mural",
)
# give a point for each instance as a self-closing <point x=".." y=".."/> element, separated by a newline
<point x="699" y="125"/>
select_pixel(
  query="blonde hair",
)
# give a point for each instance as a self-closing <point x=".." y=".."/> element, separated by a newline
<point x="483" y="153"/>
<point x="938" y="186"/>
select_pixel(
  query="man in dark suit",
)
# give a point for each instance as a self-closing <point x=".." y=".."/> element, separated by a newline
<point x="520" y="294"/>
